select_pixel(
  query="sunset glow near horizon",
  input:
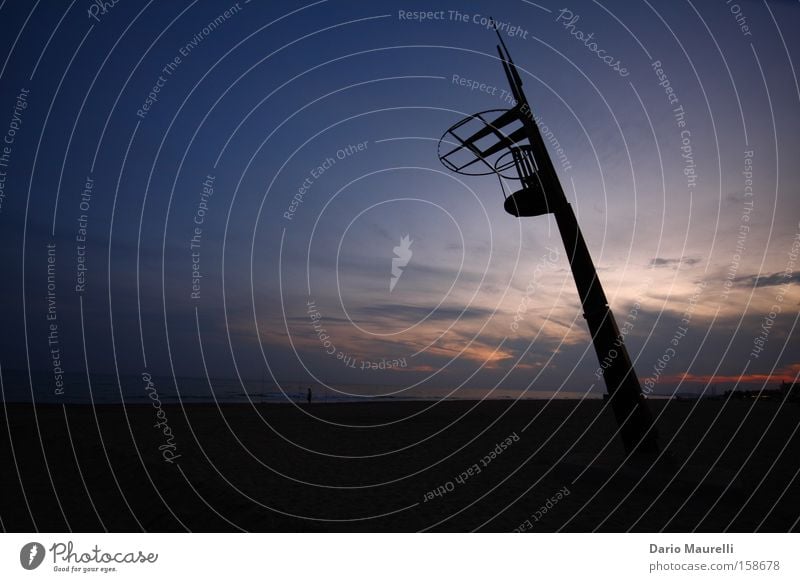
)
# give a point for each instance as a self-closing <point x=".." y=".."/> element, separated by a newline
<point x="258" y="195"/>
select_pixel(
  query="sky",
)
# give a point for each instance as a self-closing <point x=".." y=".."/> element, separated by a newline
<point x="252" y="191"/>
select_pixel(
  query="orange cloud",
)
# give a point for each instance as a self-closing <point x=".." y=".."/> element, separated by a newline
<point x="476" y="352"/>
<point x="787" y="374"/>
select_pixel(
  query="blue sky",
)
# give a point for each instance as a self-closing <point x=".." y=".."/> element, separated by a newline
<point x="279" y="95"/>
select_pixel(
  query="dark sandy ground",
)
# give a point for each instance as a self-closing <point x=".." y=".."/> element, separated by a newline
<point x="278" y="468"/>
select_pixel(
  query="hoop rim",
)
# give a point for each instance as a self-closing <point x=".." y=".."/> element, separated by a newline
<point x="462" y="146"/>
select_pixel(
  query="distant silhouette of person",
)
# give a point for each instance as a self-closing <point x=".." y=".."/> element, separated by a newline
<point x="308" y="396"/>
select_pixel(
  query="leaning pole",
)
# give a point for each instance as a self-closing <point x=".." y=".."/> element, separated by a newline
<point x="515" y="146"/>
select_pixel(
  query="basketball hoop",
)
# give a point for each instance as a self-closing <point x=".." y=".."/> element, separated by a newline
<point x="489" y="142"/>
<point x="507" y="142"/>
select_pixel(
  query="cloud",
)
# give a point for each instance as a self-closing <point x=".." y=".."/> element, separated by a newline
<point x="788" y="374"/>
<point x="414" y="313"/>
<point x="675" y="263"/>
<point x="772" y="280"/>
<point x="328" y="319"/>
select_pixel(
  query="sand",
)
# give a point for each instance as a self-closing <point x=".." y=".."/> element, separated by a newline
<point x="396" y="466"/>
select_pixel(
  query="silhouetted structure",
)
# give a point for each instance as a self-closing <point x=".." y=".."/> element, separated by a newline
<point x="508" y="143"/>
<point x="788" y="392"/>
<point x="791" y="391"/>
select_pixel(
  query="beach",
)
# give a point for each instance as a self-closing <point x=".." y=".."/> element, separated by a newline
<point x="457" y="466"/>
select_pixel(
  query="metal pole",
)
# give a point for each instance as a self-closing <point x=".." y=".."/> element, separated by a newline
<point x="627" y="401"/>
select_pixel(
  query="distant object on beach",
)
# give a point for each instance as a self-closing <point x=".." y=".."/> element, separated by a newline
<point x="788" y="391"/>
